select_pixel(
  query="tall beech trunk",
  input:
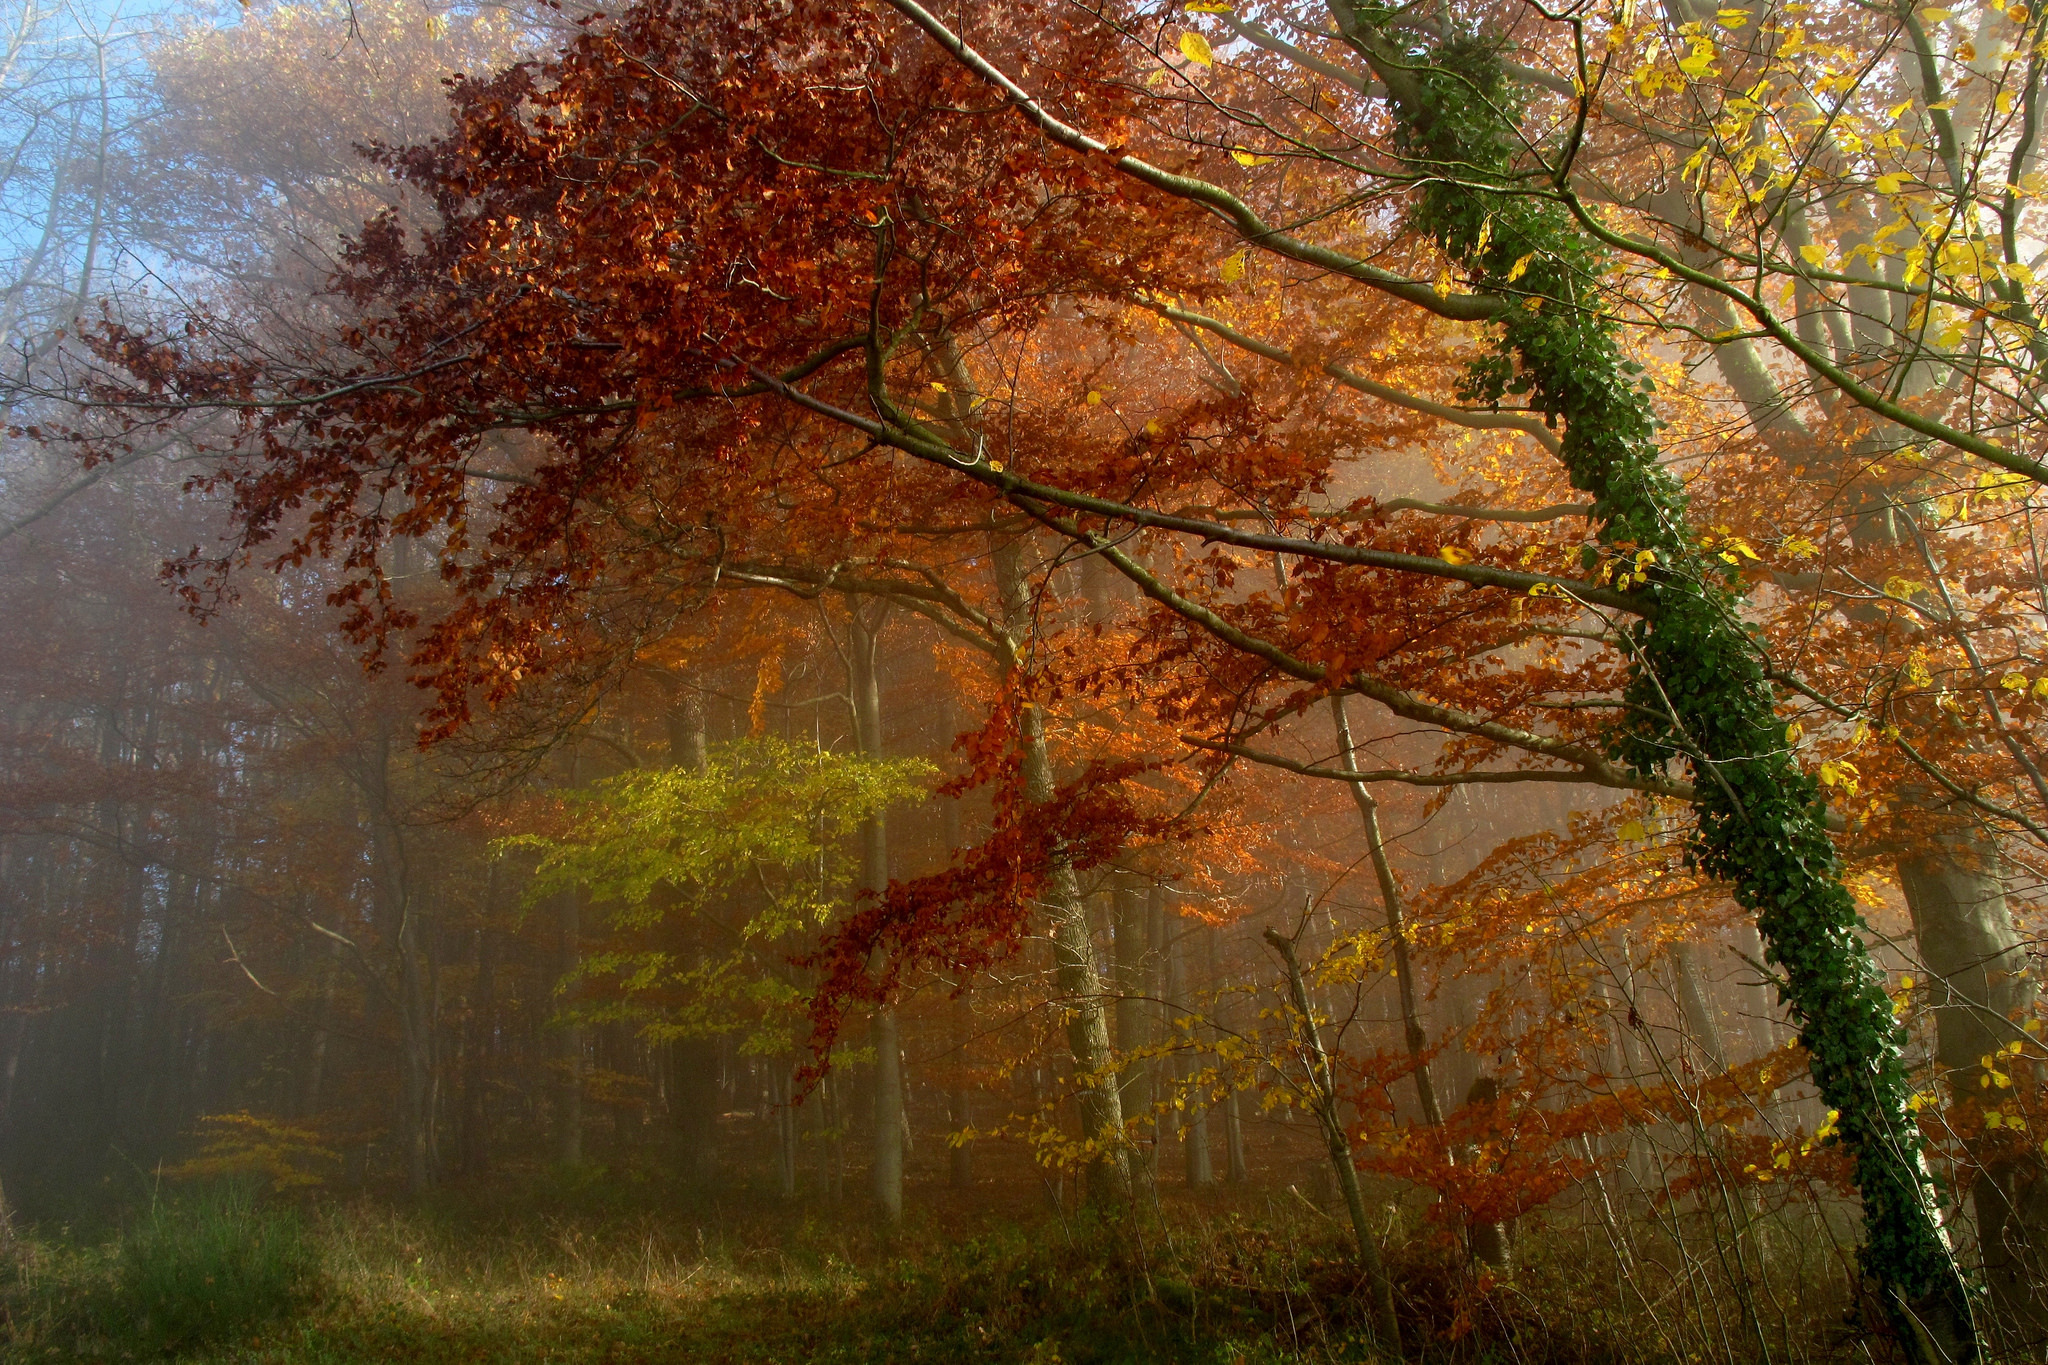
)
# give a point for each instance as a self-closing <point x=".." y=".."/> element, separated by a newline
<point x="1697" y="1004"/>
<point x="1981" y="989"/>
<point x="886" y="1173"/>
<point x="401" y="916"/>
<point x="1075" y="970"/>
<point x="1235" y="1170"/>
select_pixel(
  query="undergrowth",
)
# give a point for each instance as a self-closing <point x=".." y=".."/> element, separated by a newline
<point x="220" y="1279"/>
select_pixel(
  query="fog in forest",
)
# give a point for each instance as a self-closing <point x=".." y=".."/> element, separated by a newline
<point x="1039" y="681"/>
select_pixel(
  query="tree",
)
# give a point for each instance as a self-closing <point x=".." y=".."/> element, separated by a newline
<point x="1526" y="183"/>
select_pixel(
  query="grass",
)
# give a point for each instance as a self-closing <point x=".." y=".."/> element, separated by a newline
<point x="495" y="1277"/>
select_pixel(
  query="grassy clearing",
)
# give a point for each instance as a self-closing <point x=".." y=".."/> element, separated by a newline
<point x="217" y="1279"/>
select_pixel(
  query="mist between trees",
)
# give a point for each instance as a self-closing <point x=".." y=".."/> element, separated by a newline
<point x="1419" y="623"/>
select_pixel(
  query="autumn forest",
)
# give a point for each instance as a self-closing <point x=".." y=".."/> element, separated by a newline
<point x="1023" y="680"/>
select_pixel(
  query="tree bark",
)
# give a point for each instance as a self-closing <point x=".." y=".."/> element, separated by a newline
<point x="569" y="1080"/>
<point x="1322" y="1086"/>
<point x="1413" y="1033"/>
<point x="1698" y="1005"/>
<point x="1130" y="974"/>
<point x="1981" y="989"/>
<point x="1235" y="1170"/>
<point x="1075" y="969"/>
<point x="694" y="1060"/>
<point x="863" y="660"/>
<point x="1196" y="1161"/>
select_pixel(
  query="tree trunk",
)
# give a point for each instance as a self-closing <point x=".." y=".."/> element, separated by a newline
<point x="1981" y="990"/>
<point x="1488" y="1238"/>
<point x="1397" y="932"/>
<point x="959" y="1099"/>
<point x="1194" y="1132"/>
<point x="1130" y="973"/>
<point x="1698" y="1005"/>
<point x="569" y="1080"/>
<point x="863" y="642"/>
<point x="401" y="915"/>
<point x="1225" y="1013"/>
<point x="1075" y="970"/>
<point x="1322" y="1086"/>
<point x="482" y="1038"/>
<point x="693" y="1060"/>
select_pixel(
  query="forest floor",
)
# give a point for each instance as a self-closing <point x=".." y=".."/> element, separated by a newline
<point x="1235" y="1278"/>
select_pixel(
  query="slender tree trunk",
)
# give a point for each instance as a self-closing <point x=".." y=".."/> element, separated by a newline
<point x="863" y="641"/>
<point x="482" y="1049"/>
<point x="569" y="1040"/>
<point x="959" y="1098"/>
<point x="694" y="1060"/>
<point x="1413" y="1033"/>
<point x="1196" y="1160"/>
<point x="1322" y="1086"/>
<point x="1129" y="942"/>
<point x="1487" y="1238"/>
<point x="313" y="1084"/>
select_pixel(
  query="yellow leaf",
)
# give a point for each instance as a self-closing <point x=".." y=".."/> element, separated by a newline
<point x="996" y="465"/>
<point x="1891" y="182"/>
<point x="1195" y="48"/>
<point x="1094" y="398"/>
<point x="1520" y="267"/>
<point x="1244" y="158"/>
<point x="2013" y="682"/>
<point x="1633" y="829"/>
<point x="1208" y="9"/>
<point x="1233" y="268"/>
<point x="1731" y="18"/>
<point x="1813" y="254"/>
<point x="1793" y="732"/>
<point x="1799" y="547"/>
<point x="1935" y="16"/>
<point x="937" y="387"/>
<point x="1451" y="554"/>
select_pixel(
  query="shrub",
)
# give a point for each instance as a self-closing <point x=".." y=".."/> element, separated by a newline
<point x="204" y="1268"/>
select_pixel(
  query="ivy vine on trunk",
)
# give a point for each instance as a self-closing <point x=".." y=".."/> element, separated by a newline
<point x="1699" y="691"/>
